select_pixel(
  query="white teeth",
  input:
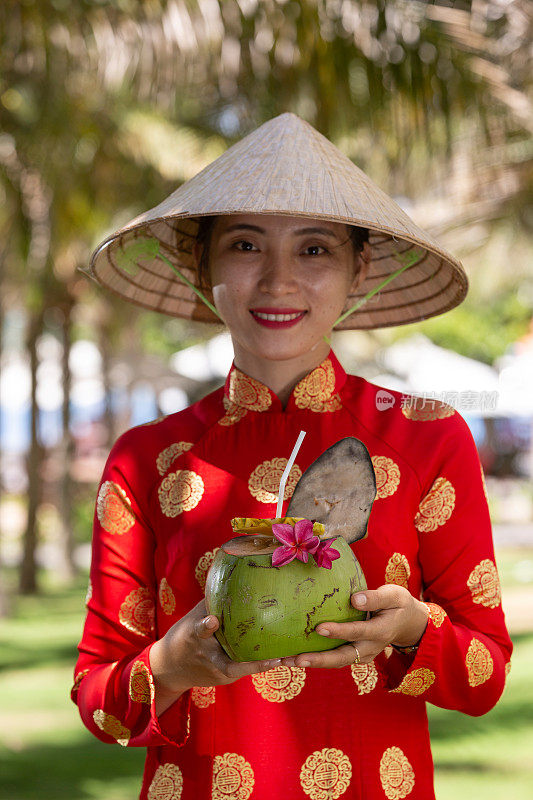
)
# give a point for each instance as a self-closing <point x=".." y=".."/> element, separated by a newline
<point x="277" y="317"/>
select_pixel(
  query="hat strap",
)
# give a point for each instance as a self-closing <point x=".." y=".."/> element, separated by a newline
<point x="410" y="259"/>
<point x="185" y="280"/>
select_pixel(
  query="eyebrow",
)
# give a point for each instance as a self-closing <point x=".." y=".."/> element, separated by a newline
<point x="247" y="227"/>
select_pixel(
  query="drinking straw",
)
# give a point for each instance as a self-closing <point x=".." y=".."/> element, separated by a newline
<point x="409" y="259"/>
<point x="286" y="471"/>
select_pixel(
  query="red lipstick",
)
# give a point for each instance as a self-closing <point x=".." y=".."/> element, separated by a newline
<point x="277" y="317"/>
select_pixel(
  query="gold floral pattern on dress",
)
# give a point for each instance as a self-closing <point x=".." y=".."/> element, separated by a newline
<point x="365" y="677"/>
<point x="167" y="456"/>
<point x="436" y="507"/>
<point x="78" y="679"/>
<point x="436" y="614"/>
<point x="315" y="392"/>
<point x="112" y="726"/>
<point x="425" y="409"/>
<point x="233" y="414"/>
<point x="484" y="584"/>
<point x="247" y="392"/>
<point x="137" y="612"/>
<point x="507" y="669"/>
<point x="203" y="696"/>
<point x="279" y="684"/>
<point x="416" y="682"/>
<point x="387" y="476"/>
<point x="153" y="421"/>
<point x="263" y="482"/>
<point x="326" y="774"/>
<point x="396" y="774"/>
<point x="167" y="601"/>
<point x="167" y="783"/>
<point x="180" y="491"/>
<point x="479" y="663"/>
<point x="113" y="509"/>
<point x="398" y="570"/>
<point x="233" y="778"/>
<point x="141" y="687"/>
<point x="202" y="568"/>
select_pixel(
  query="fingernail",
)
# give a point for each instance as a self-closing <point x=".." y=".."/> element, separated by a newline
<point x="209" y="622"/>
<point x="274" y="662"/>
<point x="360" y="600"/>
<point x="304" y="664"/>
<point x="322" y="631"/>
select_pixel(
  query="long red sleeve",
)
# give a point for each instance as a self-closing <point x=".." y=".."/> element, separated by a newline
<point x="463" y="655"/>
<point x="113" y="685"/>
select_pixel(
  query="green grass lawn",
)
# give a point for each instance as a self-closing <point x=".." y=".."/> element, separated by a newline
<point x="482" y="757"/>
<point x="46" y="753"/>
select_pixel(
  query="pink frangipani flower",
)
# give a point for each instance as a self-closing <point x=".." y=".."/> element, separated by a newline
<point x="297" y="542"/>
<point x="325" y="555"/>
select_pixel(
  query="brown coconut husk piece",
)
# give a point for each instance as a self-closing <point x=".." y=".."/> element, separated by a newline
<point x="338" y="490"/>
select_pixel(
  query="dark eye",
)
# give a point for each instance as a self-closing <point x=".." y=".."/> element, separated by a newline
<point x="313" y="250"/>
<point x="244" y="245"/>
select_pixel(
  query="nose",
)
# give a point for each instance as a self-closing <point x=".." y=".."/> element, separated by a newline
<point x="278" y="276"/>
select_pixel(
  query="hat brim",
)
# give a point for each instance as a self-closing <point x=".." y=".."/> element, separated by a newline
<point x="128" y="265"/>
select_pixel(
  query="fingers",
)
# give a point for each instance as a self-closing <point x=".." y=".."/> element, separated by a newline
<point x="213" y="652"/>
<point x="387" y="596"/>
<point x="339" y="657"/>
<point x="206" y="627"/>
<point x="375" y="629"/>
<point x="204" y="624"/>
<point x="394" y="617"/>
<point x="238" y="669"/>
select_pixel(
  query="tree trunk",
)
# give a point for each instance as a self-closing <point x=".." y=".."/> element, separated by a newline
<point x="67" y="450"/>
<point x="105" y="352"/>
<point x="4" y="599"/>
<point x="28" y="566"/>
<point x="4" y="609"/>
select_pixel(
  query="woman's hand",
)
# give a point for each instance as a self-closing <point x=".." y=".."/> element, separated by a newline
<point x="189" y="655"/>
<point x="396" y="618"/>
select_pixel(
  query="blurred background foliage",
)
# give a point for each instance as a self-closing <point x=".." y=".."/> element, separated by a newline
<point x="105" y="107"/>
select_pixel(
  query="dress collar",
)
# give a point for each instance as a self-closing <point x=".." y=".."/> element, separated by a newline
<point x="318" y="391"/>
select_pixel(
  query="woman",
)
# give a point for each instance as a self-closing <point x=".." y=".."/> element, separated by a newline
<point x="281" y="265"/>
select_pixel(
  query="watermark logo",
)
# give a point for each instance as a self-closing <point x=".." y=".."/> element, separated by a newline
<point x="384" y="400"/>
<point x="461" y="401"/>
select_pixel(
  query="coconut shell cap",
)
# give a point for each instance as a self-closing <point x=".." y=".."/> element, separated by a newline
<point x="283" y="167"/>
<point x="338" y="490"/>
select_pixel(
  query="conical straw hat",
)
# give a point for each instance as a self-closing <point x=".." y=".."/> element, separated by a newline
<point x="283" y="167"/>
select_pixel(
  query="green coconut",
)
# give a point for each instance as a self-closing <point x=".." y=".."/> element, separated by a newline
<point x="270" y="612"/>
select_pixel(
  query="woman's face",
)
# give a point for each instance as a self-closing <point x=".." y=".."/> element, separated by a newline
<point x="279" y="283"/>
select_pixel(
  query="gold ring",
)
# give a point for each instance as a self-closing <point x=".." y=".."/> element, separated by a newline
<point x="357" y="656"/>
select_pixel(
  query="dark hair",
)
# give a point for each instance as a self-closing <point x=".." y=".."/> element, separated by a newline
<point x="203" y="237"/>
<point x="358" y="237"/>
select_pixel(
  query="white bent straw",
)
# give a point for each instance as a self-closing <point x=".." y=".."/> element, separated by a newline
<point x="286" y="471"/>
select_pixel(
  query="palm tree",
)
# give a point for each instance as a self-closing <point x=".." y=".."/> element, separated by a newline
<point x="403" y="73"/>
<point x="88" y="88"/>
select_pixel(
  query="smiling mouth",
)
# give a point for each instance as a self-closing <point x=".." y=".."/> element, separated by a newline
<point x="278" y="318"/>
